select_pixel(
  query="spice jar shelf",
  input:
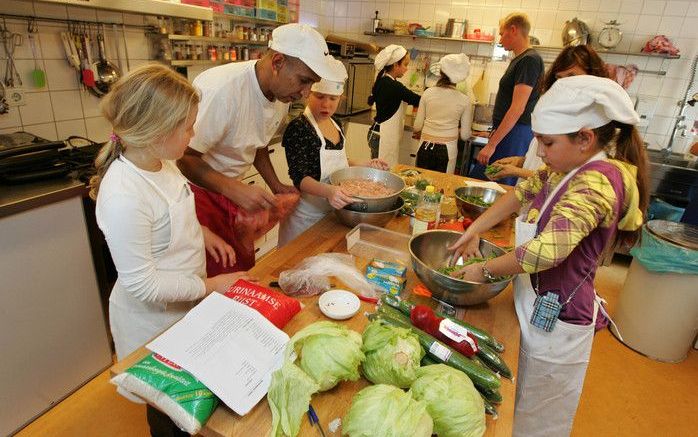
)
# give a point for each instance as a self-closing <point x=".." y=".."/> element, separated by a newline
<point x="440" y="38"/>
<point x="250" y="20"/>
<point x="215" y="39"/>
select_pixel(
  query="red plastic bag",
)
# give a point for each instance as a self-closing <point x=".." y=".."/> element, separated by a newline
<point x="278" y="308"/>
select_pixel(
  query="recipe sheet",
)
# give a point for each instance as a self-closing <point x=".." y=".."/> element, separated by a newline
<point x="229" y="347"/>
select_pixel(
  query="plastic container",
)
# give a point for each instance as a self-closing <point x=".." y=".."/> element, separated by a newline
<point x="368" y="242"/>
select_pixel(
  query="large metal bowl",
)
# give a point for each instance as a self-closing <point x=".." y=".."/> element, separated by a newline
<point x="352" y="218"/>
<point x="371" y="204"/>
<point x="429" y="252"/>
<point x="467" y="208"/>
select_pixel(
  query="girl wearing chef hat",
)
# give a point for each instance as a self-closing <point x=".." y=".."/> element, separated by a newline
<point x="315" y="148"/>
<point x="593" y="188"/>
<point x="442" y="110"/>
<point x="390" y="97"/>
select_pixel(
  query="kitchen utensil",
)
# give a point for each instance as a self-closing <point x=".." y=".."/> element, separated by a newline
<point x="339" y="304"/>
<point x="70" y="51"/>
<point x="429" y="252"/>
<point x="123" y="34"/>
<point x="86" y="73"/>
<point x="106" y="72"/>
<point x="38" y="75"/>
<point x="467" y="208"/>
<point x="575" y="33"/>
<point x="117" y="48"/>
<point x="371" y="204"/>
<point x="10" y="42"/>
<point x="352" y="218"/>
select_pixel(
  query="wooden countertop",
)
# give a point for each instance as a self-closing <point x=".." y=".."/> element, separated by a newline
<point x="497" y="316"/>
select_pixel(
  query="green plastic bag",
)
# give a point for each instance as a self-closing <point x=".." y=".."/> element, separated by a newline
<point x="660" y="256"/>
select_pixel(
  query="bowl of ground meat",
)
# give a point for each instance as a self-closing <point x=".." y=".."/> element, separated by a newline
<point x="375" y="190"/>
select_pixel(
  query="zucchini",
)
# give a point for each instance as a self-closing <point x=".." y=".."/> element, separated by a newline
<point x="406" y="307"/>
<point x="481" y="376"/>
<point x="492" y="396"/>
<point x="493" y="360"/>
<point x="489" y="408"/>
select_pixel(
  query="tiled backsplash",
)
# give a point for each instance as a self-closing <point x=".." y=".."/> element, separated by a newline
<point x="63" y="107"/>
<point x="640" y="20"/>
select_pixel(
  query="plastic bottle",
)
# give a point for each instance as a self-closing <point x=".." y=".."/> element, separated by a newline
<point x="426" y="216"/>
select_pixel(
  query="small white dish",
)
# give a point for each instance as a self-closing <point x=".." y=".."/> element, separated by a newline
<point x="339" y="304"/>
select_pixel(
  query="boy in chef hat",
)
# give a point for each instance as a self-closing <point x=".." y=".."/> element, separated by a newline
<point x="390" y="96"/>
<point x="315" y="148"/>
<point x="441" y="111"/>
<point x="593" y="189"/>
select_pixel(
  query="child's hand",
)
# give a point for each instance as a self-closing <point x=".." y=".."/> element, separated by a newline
<point x="222" y="283"/>
<point x="516" y="161"/>
<point x="338" y="198"/>
<point x="220" y="251"/>
<point x="377" y="163"/>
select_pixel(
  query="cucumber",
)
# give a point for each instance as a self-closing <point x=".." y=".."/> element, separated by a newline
<point x="406" y="307"/>
<point x="481" y="376"/>
<point x="493" y="360"/>
<point x="490" y="409"/>
<point x="428" y="360"/>
<point x="492" y="396"/>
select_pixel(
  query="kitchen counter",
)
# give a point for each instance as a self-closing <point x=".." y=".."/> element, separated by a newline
<point x="496" y="316"/>
<point x="22" y="197"/>
<point x="366" y="117"/>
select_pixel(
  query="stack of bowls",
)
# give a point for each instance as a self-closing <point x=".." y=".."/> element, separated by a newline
<point x="376" y="211"/>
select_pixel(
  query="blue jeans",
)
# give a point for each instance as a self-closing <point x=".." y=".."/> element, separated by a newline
<point x="515" y="143"/>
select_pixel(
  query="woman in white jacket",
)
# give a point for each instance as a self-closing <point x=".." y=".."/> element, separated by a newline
<point x="442" y="110"/>
<point x="146" y="211"/>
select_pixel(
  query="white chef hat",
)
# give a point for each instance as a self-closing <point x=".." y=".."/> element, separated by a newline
<point x="389" y="56"/>
<point x="585" y="101"/>
<point x="305" y="43"/>
<point x="332" y="87"/>
<point x="456" y="66"/>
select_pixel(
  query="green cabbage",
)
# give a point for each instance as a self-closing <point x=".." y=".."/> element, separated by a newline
<point x="452" y="401"/>
<point x="392" y="355"/>
<point x="328" y="353"/>
<point x="383" y="410"/>
<point x="289" y="397"/>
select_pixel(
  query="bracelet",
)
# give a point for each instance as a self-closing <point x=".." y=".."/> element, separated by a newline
<point x="487" y="274"/>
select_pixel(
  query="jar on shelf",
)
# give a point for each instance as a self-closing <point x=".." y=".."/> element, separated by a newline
<point x="211" y="53"/>
<point x="188" y="52"/>
<point x="245" y="54"/>
<point x="233" y="53"/>
<point x="226" y="53"/>
<point x="177" y="54"/>
<point x="207" y="28"/>
<point x="239" y="32"/>
<point x="198" y="28"/>
<point x="199" y="53"/>
<point x="178" y="26"/>
<point x="187" y="27"/>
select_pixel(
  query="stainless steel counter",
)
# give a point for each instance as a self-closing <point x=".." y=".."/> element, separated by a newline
<point x="22" y="197"/>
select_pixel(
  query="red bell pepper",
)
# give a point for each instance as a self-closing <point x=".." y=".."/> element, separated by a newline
<point x="425" y="319"/>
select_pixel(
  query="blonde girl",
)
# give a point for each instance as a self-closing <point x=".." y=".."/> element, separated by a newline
<point x="146" y="210"/>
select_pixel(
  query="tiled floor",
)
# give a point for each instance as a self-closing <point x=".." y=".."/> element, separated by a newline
<point x="625" y="394"/>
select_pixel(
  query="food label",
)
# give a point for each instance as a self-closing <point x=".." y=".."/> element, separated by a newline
<point x="456" y="332"/>
<point x="440" y="351"/>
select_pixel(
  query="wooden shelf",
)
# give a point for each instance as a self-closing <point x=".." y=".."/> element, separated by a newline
<point x="440" y="38"/>
<point x="601" y="51"/>
<point x="214" y="39"/>
<point x="251" y="20"/>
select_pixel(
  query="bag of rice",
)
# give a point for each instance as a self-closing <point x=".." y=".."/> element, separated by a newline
<point x="171" y="389"/>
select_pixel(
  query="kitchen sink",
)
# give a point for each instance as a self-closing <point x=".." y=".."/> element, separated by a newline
<point x="673" y="159"/>
<point x="672" y="176"/>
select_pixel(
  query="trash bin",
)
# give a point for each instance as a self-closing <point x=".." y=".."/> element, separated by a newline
<point x="657" y="314"/>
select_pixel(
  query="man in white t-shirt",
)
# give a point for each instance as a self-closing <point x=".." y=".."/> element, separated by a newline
<point x="242" y="105"/>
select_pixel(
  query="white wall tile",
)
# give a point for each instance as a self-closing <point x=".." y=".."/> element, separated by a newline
<point x="426" y="14"/>
<point x="37" y="108"/>
<point x="71" y="127"/>
<point x="648" y="24"/>
<point x="631" y="6"/>
<point x="528" y="5"/>
<point x="589" y="5"/>
<point x="51" y="43"/>
<point x="610" y="6"/>
<point x="568" y="5"/>
<point x="512" y="3"/>
<point x="670" y="26"/>
<point x="654" y="7"/>
<point x="549" y="4"/>
<point x="692" y="9"/>
<point x="628" y="22"/>
<point x="659" y="125"/>
<point x="679" y="8"/>
<point x="43" y="130"/>
<point x="690" y="28"/>
<point x="368" y="9"/>
<point x="673" y="88"/>
<point x="98" y="129"/>
<point x="340" y="9"/>
<point x="60" y="76"/>
<point x="133" y="19"/>
<point x="138" y="45"/>
<point x="410" y="10"/>
<point x="10" y="119"/>
<point x="16" y="7"/>
<point x="110" y="16"/>
<point x="82" y="14"/>
<point x="50" y="10"/>
<point x="66" y="105"/>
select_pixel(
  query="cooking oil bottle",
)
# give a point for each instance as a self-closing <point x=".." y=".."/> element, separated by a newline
<point x="426" y="216"/>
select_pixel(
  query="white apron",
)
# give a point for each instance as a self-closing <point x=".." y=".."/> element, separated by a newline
<point x="390" y="135"/>
<point x="452" y="147"/>
<point x="135" y="322"/>
<point x="552" y="365"/>
<point x="312" y="208"/>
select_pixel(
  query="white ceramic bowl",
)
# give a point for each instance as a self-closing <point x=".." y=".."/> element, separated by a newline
<point x="339" y="304"/>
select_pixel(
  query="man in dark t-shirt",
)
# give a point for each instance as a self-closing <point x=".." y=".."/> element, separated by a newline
<point x="516" y="97"/>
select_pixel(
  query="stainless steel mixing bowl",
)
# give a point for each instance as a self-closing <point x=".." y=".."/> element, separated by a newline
<point x="467" y="208"/>
<point x="429" y="252"/>
<point x="371" y="204"/>
<point x="352" y="218"/>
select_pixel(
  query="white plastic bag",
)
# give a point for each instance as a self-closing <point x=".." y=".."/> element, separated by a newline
<point x="312" y="276"/>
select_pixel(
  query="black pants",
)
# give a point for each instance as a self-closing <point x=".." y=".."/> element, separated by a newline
<point x="161" y="425"/>
<point x="432" y="156"/>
